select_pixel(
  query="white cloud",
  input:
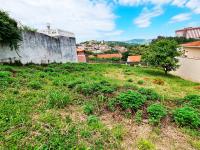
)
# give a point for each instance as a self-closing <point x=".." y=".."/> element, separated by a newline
<point x="180" y="17"/>
<point x="179" y="3"/>
<point x="87" y="19"/>
<point x="145" y="18"/>
<point x="194" y="5"/>
<point x="142" y="2"/>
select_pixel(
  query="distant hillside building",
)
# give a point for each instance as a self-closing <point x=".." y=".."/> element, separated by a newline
<point x="189" y="33"/>
<point x="56" y="32"/>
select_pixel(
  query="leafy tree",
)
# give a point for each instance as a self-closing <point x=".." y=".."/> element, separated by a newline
<point x="10" y="34"/>
<point x="125" y="56"/>
<point x="162" y="53"/>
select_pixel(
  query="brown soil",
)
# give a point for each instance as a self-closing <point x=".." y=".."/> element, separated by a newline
<point x="166" y="138"/>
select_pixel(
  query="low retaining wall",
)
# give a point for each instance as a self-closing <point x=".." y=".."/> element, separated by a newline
<point x="39" y="48"/>
<point x="189" y="69"/>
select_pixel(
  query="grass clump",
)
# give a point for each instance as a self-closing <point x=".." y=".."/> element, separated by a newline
<point x="58" y="99"/>
<point x="138" y="116"/>
<point x="5" y="79"/>
<point x="156" y="113"/>
<point x="187" y="116"/>
<point x="145" y="145"/>
<point x="149" y="93"/>
<point x="88" y="109"/>
<point x="35" y="85"/>
<point x="95" y="88"/>
<point x="140" y="82"/>
<point x="193" y="100"/>
<point x="118" y="132"/>
<point x="131" y="100"/>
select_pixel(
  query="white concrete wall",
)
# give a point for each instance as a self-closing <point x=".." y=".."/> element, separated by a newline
<point x="41" y="49"/>
<point x="189" y="69"/>
<point x="192" y="52"/>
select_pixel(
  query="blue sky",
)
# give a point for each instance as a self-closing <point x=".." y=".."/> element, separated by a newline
<point x="159" y="25"/>
<point x="107" y="19"/>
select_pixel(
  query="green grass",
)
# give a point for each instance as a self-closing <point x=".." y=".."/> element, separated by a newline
<point x="59" y="106"/>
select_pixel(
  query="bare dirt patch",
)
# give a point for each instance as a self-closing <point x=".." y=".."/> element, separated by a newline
<point x="167" y="138"/>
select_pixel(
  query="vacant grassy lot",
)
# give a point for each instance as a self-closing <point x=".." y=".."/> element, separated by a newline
<point x="97" y="106"/>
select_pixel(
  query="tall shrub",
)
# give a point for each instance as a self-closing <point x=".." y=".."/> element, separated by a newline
<point x="10" y="34"/>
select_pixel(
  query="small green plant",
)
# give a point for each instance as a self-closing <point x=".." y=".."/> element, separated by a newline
<point x="187" y="116"/>
<point x="149" y="93"/>
<point x="94" y="122"/>
<point x="130" y="80"/>
<point x="35" y="85"/>
<point x="88" y="109"/>
<point x="118" y="132"/>
<point x="138" y="116"/>
<point x="145" y="145"/>
<point x="140" y="82"/>
<point x="131" y="100"/>
<point x="58" y="100"/>
<point x="195" y="144"/>
<point x="111" y="104"/>
<point x="156" y="113"/>
<point x="193" y="100"/>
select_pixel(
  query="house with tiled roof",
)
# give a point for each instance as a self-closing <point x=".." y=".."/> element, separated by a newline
<point x="108" y="56"/>
<point x="192" y="49"/>
<point x="190" y="62"/>
<point x="134" y="59"/>
<point x="81" y="55"/>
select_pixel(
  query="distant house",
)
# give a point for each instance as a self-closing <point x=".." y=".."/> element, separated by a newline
<point x="81" y="55"/>
<point x="108" y="56"/>
<point x="134" y="59"/>
<point x="190" y="62"/>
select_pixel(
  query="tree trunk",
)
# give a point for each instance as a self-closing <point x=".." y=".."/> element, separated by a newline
<point x="166" y="71"/>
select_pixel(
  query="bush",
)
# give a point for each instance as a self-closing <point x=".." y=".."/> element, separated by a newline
<point x="10" y="34"/>
<point x="149" y="93"/>
<point x="187" y="116"/>
<point x="58" y="100"/>
<point x="156" y="113"/>
<point x="35" y="85"/>
<point x="140" y="82"/>
<point x="88" y="109"/>
<point x="131" y="99"/>
<point x="194" y="100"/>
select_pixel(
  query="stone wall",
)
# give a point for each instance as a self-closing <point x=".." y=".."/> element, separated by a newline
<point x="39" y="48"/>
